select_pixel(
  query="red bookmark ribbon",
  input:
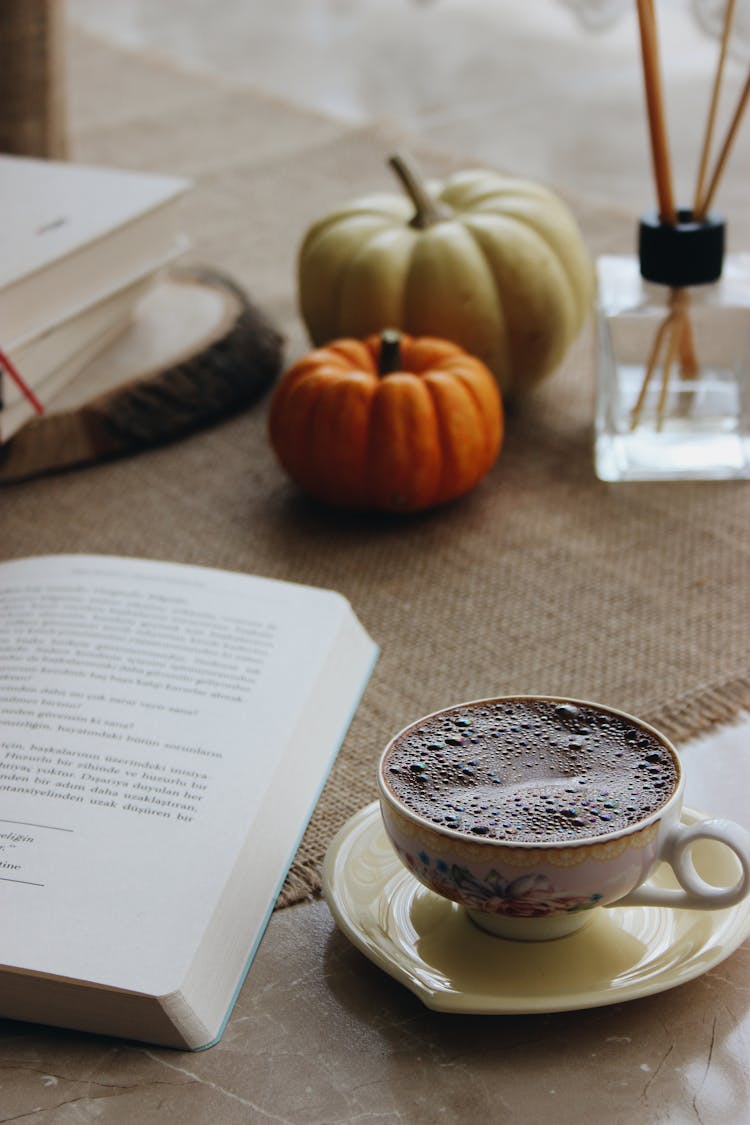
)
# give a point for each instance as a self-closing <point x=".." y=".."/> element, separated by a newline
<point x="20" y="382"/>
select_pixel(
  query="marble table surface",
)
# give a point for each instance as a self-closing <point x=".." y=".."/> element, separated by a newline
<point x="321" y="1035"/>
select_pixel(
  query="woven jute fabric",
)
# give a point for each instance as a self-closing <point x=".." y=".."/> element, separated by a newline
<point x="541" y="580"/>
<point x="33" y="110"/>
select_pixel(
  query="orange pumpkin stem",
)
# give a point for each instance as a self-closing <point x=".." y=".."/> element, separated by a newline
<point x="428" y="209"/>
<point x="390" y="352"/>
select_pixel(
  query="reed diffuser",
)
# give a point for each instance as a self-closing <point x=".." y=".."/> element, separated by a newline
<point x="673" y="398"/>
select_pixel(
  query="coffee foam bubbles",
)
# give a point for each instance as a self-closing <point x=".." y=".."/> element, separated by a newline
<point x="531" y="771"/>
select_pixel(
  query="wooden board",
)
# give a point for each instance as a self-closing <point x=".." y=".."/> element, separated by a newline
<point x="198" y="349"/>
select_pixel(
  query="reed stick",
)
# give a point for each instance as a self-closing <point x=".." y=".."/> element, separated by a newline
<point x="655" y="106"/>
<point x="656" y="347"/>
<point x="726" y="148"/>
<point x="672" y="349"/>
<point x="688" y="358"/>
<point x="713" y="107"/>
<point x="662" y="170"/>
<point x="676" y="331"/>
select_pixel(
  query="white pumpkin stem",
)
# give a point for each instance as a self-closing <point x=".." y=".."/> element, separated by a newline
<point x="390" y="352"/>
<point x="428" y="209"/>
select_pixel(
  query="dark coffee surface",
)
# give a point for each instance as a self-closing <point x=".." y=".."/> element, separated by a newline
<point x="531" y="770"/>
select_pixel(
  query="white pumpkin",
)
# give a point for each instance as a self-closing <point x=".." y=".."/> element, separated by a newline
<point x="496" y="265"/>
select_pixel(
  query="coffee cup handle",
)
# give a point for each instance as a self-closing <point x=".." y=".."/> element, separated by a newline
<point x="694" y="892"/>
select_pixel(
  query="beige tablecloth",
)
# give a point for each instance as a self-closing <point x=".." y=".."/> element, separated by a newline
<point x="542" y="580"/>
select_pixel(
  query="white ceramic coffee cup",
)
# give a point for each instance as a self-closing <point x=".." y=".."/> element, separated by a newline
<point x="539" y="891"/>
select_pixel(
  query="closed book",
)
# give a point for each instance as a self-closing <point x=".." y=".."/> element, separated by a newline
<point x="71" y="234"/>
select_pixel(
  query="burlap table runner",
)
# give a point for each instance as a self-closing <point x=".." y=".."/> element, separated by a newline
<point x="33" y="118"/>
<point x="542" y="580"/>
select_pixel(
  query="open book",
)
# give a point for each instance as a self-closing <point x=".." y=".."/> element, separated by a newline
<point x="165" y="731"/>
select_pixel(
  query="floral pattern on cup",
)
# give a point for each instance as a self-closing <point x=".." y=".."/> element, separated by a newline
<point x="419" y="838"/>
<point x="527" y="896"/>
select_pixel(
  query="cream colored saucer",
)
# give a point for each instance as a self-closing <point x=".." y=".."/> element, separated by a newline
<point x="430" y="945"/>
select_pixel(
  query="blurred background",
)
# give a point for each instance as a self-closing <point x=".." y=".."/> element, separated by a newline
<point x="548" y="89"/>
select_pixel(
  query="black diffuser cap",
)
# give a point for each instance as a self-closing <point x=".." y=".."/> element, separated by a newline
<point x="681" y="253"/>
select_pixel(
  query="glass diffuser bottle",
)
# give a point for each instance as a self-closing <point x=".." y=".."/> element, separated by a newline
<point x="673" y="380"/>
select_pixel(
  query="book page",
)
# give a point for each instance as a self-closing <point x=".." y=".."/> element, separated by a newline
<point x="144" y="709"/>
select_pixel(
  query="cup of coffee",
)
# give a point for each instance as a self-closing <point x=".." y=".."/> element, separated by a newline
<point x="531" y="811"/>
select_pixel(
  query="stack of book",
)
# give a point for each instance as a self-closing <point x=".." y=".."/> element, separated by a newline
<point x="79" y="248"/>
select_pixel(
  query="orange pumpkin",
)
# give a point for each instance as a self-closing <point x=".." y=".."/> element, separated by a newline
<point x="391" y="422"/>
